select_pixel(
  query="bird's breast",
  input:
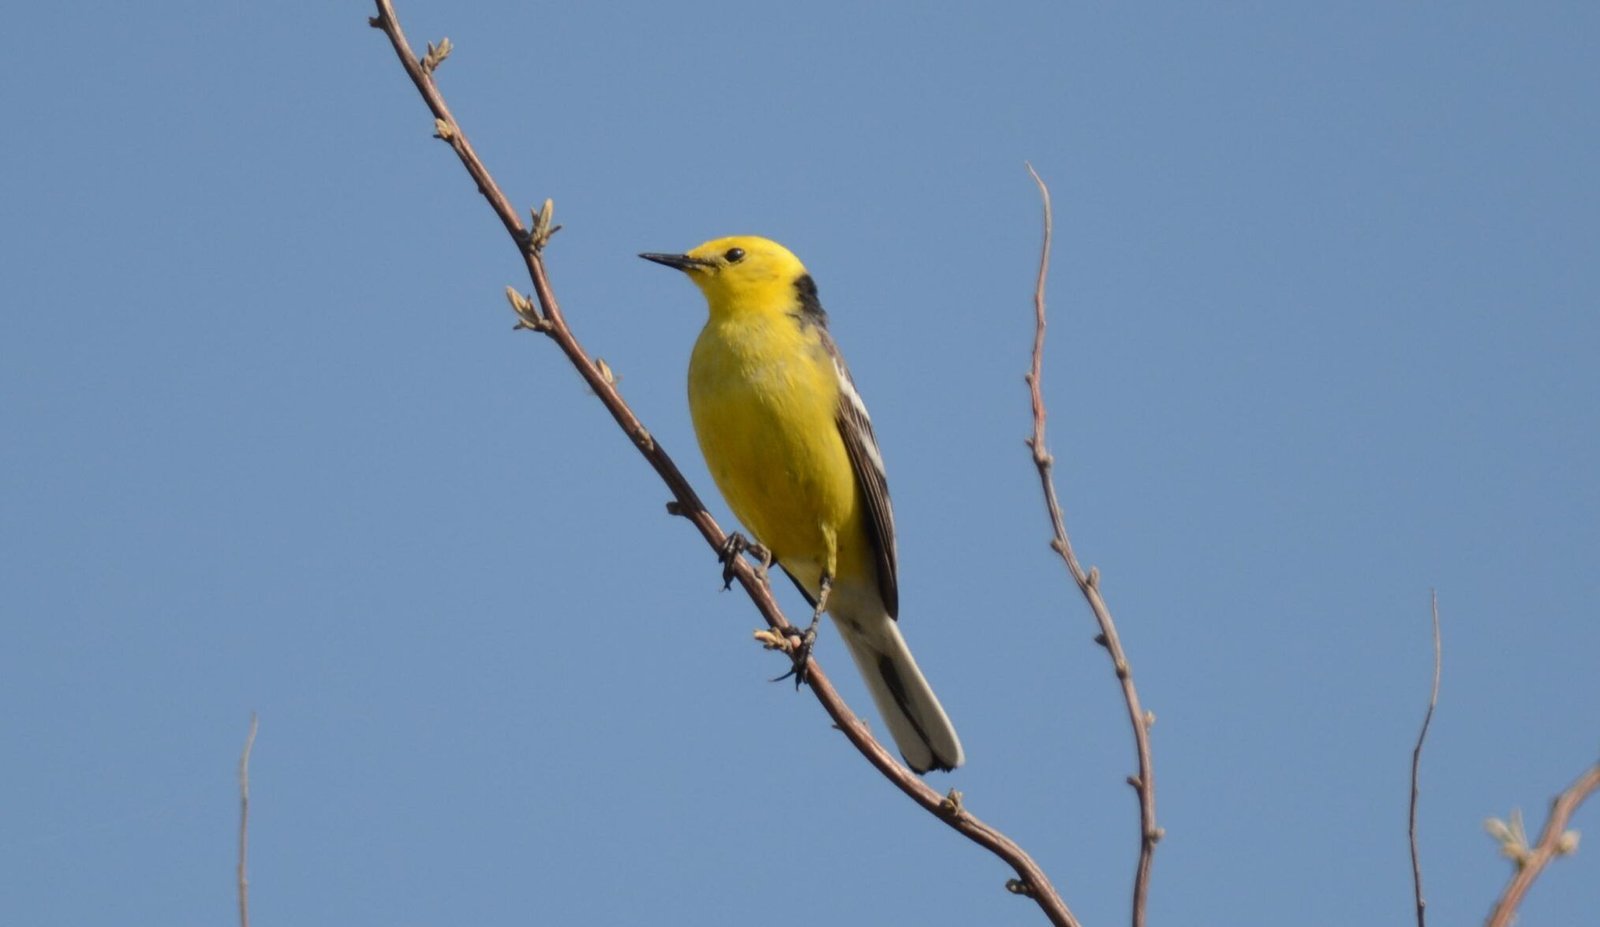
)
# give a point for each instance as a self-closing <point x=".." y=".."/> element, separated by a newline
<point x="763" y="395"/>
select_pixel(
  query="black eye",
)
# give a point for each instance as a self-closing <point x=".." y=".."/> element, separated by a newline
<point x="733" y="255"/>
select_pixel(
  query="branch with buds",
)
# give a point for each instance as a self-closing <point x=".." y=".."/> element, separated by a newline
<point x="541" y="313"/>
<point x="1557" y="839"/>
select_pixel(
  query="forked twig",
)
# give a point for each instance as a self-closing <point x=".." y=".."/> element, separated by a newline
<point x="1089" y="584"/>
<point x="1555" y="840"/>
<point x="543" y="314"/>
<point x="244" y="823"/>
<point x="1416" y="767"/>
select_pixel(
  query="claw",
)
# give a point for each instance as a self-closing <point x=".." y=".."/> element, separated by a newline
<point x="732" y="546"/>
<point x="802" y="650"/>
<point x="800" y="653"/>
<point x="728" y="554"/>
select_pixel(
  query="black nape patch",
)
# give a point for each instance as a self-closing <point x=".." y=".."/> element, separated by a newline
<point x="810" y="306"/>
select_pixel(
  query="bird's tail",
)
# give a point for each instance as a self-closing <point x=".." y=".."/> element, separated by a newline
<point x="924" y="734"/>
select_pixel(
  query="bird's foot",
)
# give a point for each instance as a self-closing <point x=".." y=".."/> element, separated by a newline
<point x="728" y="554"/>
<point x="799" y="650"/>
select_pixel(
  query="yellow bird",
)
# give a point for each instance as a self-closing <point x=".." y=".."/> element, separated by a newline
<point x="788" y="441"/>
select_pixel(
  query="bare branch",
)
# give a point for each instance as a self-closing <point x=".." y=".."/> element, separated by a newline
<point x="1555" y="840"/>
<point x="1416" y="766"/>
<point x="244" y="823"/>
<point x="1089" y="584"/>
<point x="546" y="317"/>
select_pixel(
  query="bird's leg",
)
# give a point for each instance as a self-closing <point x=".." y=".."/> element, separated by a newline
<point x="764" y="554"/>
<point x="734" y="545"/>
<point x="801" y="652"/>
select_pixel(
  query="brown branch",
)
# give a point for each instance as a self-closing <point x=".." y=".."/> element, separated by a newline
<point x="1555" y="840"/>
<point x="1416" y="767"/>
<point x="244" y="823"/>
<point x="1089" y="584"/>
<point x="548" y="319"/>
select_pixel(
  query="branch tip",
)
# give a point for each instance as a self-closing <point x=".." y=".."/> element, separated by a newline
<point x="242" y="873"/>
<point x="528" y="317"/>
<point x="1416" y="770"/>
<point x="435" y="56"/>
<point x="543" y="226"/>
<point x="773" y="640"/>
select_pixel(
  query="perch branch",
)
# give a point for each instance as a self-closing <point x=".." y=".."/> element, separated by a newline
<point x="545" y="317"/>
<point x="1089" y="584"/>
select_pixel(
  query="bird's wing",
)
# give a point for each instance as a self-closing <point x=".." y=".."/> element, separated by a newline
<point x="855" y="427"/>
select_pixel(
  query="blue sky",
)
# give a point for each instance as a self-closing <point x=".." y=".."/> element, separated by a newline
<point x="1326" y="316"/>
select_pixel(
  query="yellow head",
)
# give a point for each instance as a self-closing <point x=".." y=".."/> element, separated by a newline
<point x="744" y="273"/>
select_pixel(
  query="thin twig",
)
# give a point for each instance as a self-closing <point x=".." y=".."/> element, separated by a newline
<point x="244" y="823"/>
<point x="548" y="319"/>
<point x="1089" y="584"/>
<point x="1555" y="840"/>
<point x="1416" y="766"/>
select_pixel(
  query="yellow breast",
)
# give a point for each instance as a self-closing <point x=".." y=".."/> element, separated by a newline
<point x="763" y="394"/>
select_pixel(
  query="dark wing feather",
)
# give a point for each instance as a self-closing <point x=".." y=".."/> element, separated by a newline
<point x="855" y="427"/>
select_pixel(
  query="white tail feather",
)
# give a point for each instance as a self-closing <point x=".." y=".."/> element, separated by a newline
<point x="918" y="724"/>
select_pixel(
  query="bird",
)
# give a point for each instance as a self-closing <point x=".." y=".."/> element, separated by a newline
<point x="789" y="443"/>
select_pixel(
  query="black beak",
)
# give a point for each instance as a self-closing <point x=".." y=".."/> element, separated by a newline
<point x="680" y="261"/>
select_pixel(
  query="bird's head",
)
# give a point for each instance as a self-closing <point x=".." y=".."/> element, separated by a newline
<point x="739" y="273"/>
